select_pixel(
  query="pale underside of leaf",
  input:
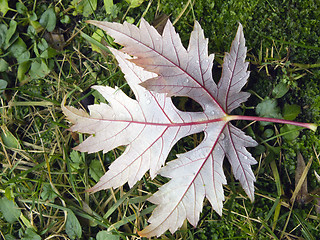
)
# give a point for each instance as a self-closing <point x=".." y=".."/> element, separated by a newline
<point x="180" y="72"/>
<point x="194" y="175"/>
<point x="234" y="145"/>
<point x="150" y="125"/>
<point x="234" y="75"/>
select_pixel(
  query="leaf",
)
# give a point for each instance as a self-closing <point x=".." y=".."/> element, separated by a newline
<point x="135" y="3"/>
<point x="95" y="170"/>
<point x="19" y="51"/>
<point x="150" y="125"/>
<point x="290" y="112"/>
<point x="290" y="132"/>
<point x="268" y="108"/>
<point x="86" y="7"/>
<point x="48" y="20"/>
<point x="73" y="227"/>
<point x="22" y="69"/>
<point x="48" y="193"/>
<point x="3" y="65"/>
<point x="21" y="8"/>
<point x="4" y="7"/>
<point x="39" y="69"/>
<point x="102" y="235"/>
<point x="3" y="33"/>
<point x="30" y="235"/>
<point x="11" y="34"/>
<point x="9" y="210"/>
<point x="8" y="139"/>
<point x="98" y="36"/>
<point x="280" y="90"/>
<point x="3" y="85"/>
<point x="9" y="237"/>
<point x="108" y="4"/>
<point x="76" y="160"/>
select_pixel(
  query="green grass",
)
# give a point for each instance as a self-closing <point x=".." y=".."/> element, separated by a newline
<point x="43" y="181"/>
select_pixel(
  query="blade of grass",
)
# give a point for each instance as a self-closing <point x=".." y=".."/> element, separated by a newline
<point x="287" y="42"/>
<point x="279" y="191"/>
<point x="94" y="42"/>
<point x="72" y="180"/>
<point x="268" y="229"/>
<point x="131" y="218"/>
<point x="305" y="227"/>
<point x="301" y="180"/>
<point x="120" y="201"/>
<point x="17" y="178"/>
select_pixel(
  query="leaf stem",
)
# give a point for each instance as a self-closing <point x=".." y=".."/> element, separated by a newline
<point x="311" y="126"/>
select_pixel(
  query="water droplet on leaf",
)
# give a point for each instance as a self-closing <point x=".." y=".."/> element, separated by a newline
<point x="222" y="136"/>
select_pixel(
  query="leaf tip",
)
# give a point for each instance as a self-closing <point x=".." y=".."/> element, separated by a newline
<point x="145" y="233"/>
<point x="63" y="103"/>
<point x="94" y="22"/>
<point x="92" y="189"/>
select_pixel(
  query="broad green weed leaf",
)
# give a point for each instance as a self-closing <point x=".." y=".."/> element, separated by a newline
<point x="30" y="235"/>
<point x="290" y="112"/>
<point x="3" y="85"/>
<point x="290" y="132"/>
<point x="268" y="108"/>
<point x="86" y="7"/>
<point x="76" y="160"/>
<point x="39" y="69"/>
<point x="103" y="235"/>
<point x="3" y="33"/>
<point x="95" y="170"/>
<point x="8" y="193"/>
<point x="42" y="45"/>
<point x="9" y="210"/>
<point x="21" y="8"/>
<point x="135" y="3"/>
<point x="11" y="34"/>
<point x="9" y="237"/>
<point x="19" y="51"/>
<point x="32" y="17"/>
<point x="97" y="35"/>
<point x="280" y="90"/>
<point x="89" y="6"/>
<point x="73" y="227"/>
<point x="8" y="139"/>
<point x="108" y="5"/>
<point x="3" y="65"/>
<point x="48" y="53"/>
<point x="48" y="193"/>
<point x="26" y="222"/>
<point x="4" y="7"/>
<point x="22" y="70"/>
<point x="48" y="20"/>
<point x="268" y="133"/>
